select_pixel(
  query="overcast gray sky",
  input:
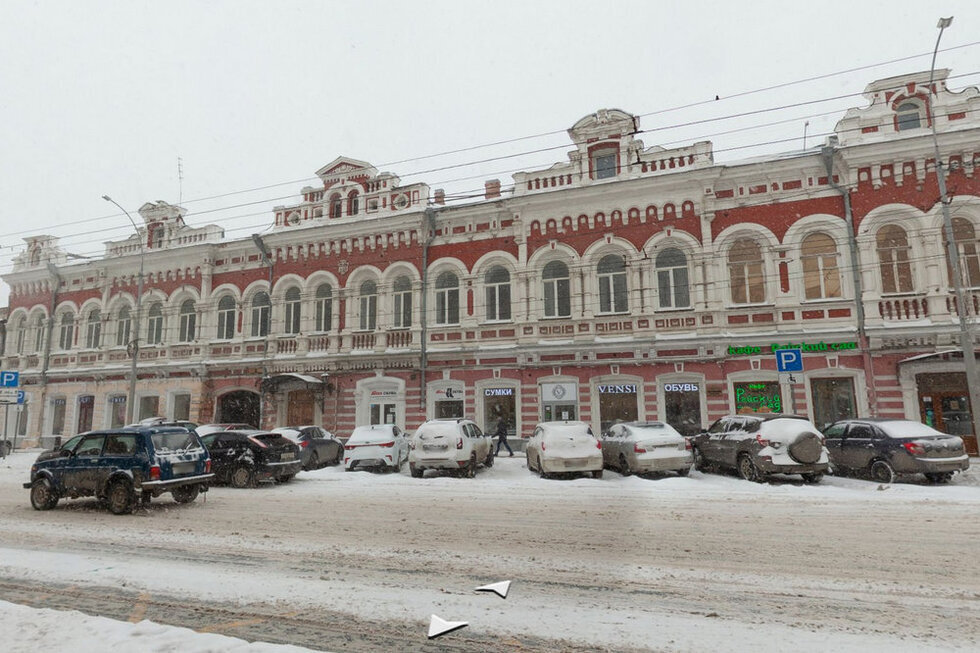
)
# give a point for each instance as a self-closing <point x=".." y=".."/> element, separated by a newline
<point x="103" y="97"/>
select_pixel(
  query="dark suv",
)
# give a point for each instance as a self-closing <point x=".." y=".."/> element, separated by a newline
<point x="118" y="466"/>
<point x="757" y="445"/>
<point x="885" y="448"/>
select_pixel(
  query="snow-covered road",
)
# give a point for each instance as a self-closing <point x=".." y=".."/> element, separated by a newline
<point x="358" y="561"/>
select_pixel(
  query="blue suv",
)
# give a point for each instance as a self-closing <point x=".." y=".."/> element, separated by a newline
<point x="121" y="466"/>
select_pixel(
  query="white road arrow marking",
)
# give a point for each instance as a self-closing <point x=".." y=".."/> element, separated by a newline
<point x="439" y="627"/>
<point x="500" y="589"/>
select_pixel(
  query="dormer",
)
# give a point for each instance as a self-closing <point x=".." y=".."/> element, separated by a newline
<point x="162" y="221"/>
<point x="603" y="140"/>
<point x="40" y="251"/>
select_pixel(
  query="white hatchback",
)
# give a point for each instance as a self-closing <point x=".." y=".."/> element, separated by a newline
<point x="378" y="446"/>
<point x="564" y="448"/>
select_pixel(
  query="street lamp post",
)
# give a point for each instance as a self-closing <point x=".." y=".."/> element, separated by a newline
<point x="135" y="342"/>
<point x="962" y="311"/>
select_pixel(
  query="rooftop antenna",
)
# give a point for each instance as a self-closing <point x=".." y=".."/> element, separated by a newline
<point x="180" y="181"/>
<point x="805" y="125"/>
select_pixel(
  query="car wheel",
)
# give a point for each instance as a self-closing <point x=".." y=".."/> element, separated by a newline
<point x="541" y="472"/>
<point x="43" y="496"/>
<point x="624" y="466"/>
<point x="812" y="479"/>
<point x="285" y="479"/>
<point x="397" y="467"/>
<point x="747" y="469"/>
<point x="470" y="470"/>
<point x="120" y="497"/>
<point x="700" y="463"/>
<point x="242" y="476"/>
<point x="882" y="472"/>
<point x="596" y="473"/>
<point x="416" y="472"/>
<point x="186" y="493"/>
<point x="489" y="461"/>
<point x="314" y="462"/>
<point x="940" y="478"/>
<point x="683" y="471"/>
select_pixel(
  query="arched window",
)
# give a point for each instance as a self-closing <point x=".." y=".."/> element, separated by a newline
<point x="188" y="321"/>
<point x="323" y="306"/>
<point x="965" y="237"/>
<point x="293" y="311"/>
<point x="93" y="329"/>
<point x="154" y="324"/>
<point x="557" y="290"/>
<point x="402" y="291"/>
<point x="447" y="298"/>
<point x="612" y="284"/>
<point x="673" y="285"/>
<point x="20" y="328"/>
<point x="746" y="272"/>
<point x="496" y="284"/>
<point x="336" y="205"/>
<point x="369" y="306"/>
<point x="909" y="116"/>
<point x="226" y="318"/>
<point x="38" y="328"/>
<point x="353" y="203"/>
<point x="821" y="276"/>
<point x="123" y="325"/>
<point x="66" y="336"/>
<point x="261" y="313"/>
<point x="893" y="257"/>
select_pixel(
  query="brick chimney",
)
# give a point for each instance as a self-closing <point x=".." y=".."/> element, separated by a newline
<point x="492" y="187"/>
<point x="440" y="196"/>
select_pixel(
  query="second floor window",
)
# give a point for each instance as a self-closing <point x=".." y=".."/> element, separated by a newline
<point x="38" y="333"/>
<point x="123" y="325"/>
<point x="745" y="272"/>
<point x="447" y="298"/>
<point x="293" y="304"/>
<point x="226" y="318"/>
<point x="93" y="330"/>
<point x="323" y="307"/>
<point x="336" y="206"/>
<point x="154" y="324"/>
<point x="496" y="284"/>
<point x="21" y="333"/>
<point x="908" y="115"/>
<point x="66" y="336"/>
<point x="612" y="284"/>
<point x="402" y="291"/>
<point x="821" y="276"/>
<point x="261" y="313"/>
<point x="673" y="288"/>
<point x="557" y="290"/>
<point x="368" y="306"/>
<point x="893" y="256"/>
<point x="965" y="237"/>
<point x="188" y="321"/>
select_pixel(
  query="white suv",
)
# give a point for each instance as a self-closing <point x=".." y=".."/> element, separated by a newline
<point x="457" y="445"/>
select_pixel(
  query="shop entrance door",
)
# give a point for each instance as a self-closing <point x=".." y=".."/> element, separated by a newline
<point x="500" y="406"/>
<point x="949" y="412"/>
<point x="556" y="412"/>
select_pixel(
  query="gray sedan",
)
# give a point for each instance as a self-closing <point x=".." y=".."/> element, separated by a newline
<point x="644" y="447"/>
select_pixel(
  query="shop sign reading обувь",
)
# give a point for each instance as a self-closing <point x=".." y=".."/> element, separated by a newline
<point x="802" y="346"/>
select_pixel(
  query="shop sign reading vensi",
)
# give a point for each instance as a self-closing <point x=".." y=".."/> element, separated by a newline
<point x="802" y="346"/>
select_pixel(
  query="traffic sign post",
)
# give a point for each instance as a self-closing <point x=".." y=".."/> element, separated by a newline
<point x="9" y="394"/>
<point x="788" y="361"/>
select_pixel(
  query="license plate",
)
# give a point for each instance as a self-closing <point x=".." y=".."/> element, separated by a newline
<point x="434" y="447"/>
<point x="287" y="456"/>
<point x="180" y="469"/>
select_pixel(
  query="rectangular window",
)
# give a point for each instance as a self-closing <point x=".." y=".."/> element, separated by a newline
<point x="447" y="306"/>
<point x="149" y="407"/>
<point x="154" y="330"/>
<point x="323" y="316"/>
<point x="188" y="324"/>
<point x="757" y="397"/>
<point x="605" y="165"/>
<point x="58" y="416"/>
<point x="226" y="324"/>
<point x="403" y="310"/>
<point x="292" y="317"/>
<point x="117" y="411"/>
<point x="260" y="321"/>
<point x="369" y="312"/>
<point x="833" y="399"/>
<point x="182" y="407"/>
<point x="557" y="298"/>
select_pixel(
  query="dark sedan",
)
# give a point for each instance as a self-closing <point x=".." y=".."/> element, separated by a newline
<point x="243" y="458"/>
<point x="318" y="447"/>
<point x="887" y="448"/>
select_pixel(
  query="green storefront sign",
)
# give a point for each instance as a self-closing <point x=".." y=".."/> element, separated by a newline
<point x="751" y="350"/>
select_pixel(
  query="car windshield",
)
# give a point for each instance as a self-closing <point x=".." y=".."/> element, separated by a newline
<point x="171" y="442"/>
<point x="900" y="429"/>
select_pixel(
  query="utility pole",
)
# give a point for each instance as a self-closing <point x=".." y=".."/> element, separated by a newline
<point x="264" y="253"/>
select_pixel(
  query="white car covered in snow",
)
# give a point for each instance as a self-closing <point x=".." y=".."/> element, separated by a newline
<point x="455" y="445"/>
<point x="564" y="448"/>
<point x="382" y="447"/>
<point x="645" y="447"/>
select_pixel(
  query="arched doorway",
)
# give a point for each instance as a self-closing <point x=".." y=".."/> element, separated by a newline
<point x="240" y="406"/>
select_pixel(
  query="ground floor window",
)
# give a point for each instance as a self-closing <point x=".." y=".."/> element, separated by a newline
<point x="447" y="400"/>
<point x="182" y="407"/>
<point x="239" y="407"/>
<point x="86" y="408"/>
<point x="149" y="407"/>
<point x="617" y="403"/>
<point x="383" y="413"/>
<point x="757" y="397"/>
<point x="833" y="399"/>
<point x="117" y="411"/>
<point x="448" y="409"/>
<point x="682" y="407"/>
<point x="559" y="401"/>
<point x="497" y="403"/>
<point x="22" y="415"/>
<point x="58" y="416"/>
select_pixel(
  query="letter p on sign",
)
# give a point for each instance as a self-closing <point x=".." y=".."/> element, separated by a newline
<point x="789" y="360"/>
<point x="9" y="379"/>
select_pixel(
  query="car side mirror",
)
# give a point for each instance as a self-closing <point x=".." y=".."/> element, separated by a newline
<point x="65" y="453"/>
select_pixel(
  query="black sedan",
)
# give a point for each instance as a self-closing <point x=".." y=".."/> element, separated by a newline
<point x="243" y="458"/>
<point x="886" y="448"/>
<point x="318" y="447"/>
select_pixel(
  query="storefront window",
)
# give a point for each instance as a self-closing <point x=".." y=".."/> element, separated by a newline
<point x="86" y="404"/>
<point x="182" y="407"/>
<point x="682" y="407"/>
<point x="58" y="416"/>
<point x="117" y="411"/>
<point x="497" y="403"/>
<point x="447" y="401"/>
<point x="149" y="407"/>
<point x="617" y="403"/>
<point x="757" y="397"/>
<point x="559" y="401"/>
<point x="833" y="399"/>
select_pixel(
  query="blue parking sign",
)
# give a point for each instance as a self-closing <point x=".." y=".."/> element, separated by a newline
<point x="9" y="379"/>
<point x="789" y="360"/>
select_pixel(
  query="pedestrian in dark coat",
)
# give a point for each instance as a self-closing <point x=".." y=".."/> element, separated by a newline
<point x="501" y="434"/>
